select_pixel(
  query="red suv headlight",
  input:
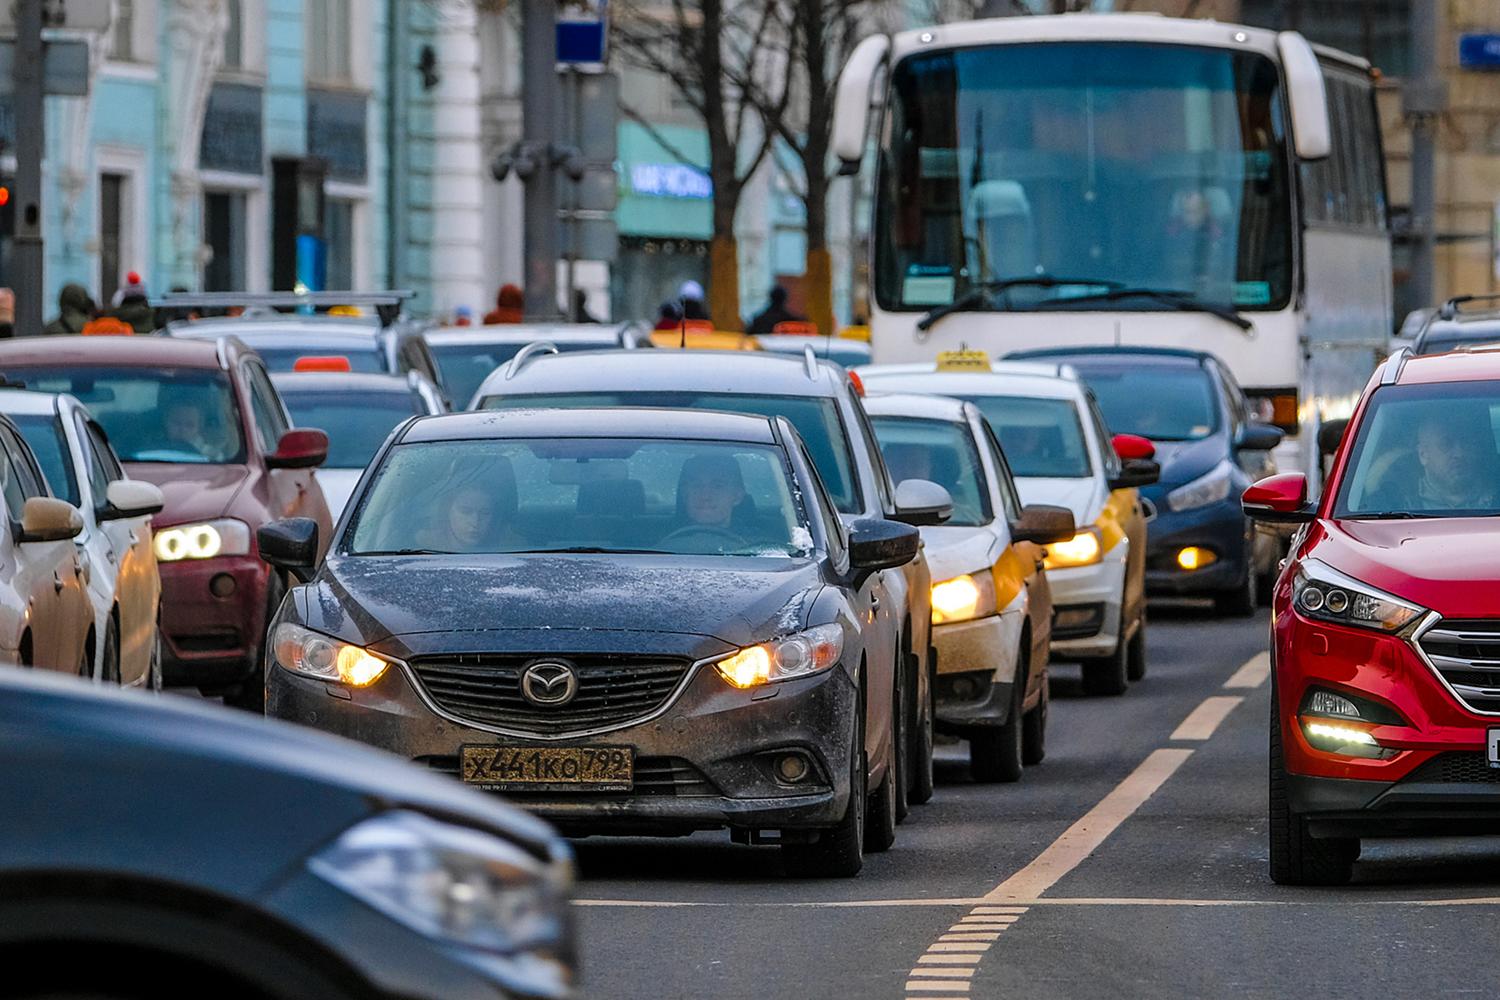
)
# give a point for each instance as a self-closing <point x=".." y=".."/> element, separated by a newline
<point x="1324" y="594"/>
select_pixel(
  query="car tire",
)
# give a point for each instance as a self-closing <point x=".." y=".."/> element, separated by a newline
<point x="1108" y="675"/>
<point x="1297" y="857"/>
<point x="1239" y="601"/>
<point x="109" y="664"/>
<point x="1034" y="731"/>
<point x="903" y="707"/>
<point x="251" y="693"/>
<point x="923" y="779"/>
<point x="996" y="754"/>
<point x="86" y="667"/>
<point x="839" y="850"/>
<point x="1135" y="654"/>
<point x="154" y="680"/>
<point x="880" y="814"/>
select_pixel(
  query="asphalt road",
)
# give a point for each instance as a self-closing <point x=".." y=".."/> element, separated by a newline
<point x="1131" y="863"/>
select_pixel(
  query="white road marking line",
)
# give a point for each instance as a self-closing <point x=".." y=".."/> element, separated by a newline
<point x="972" y="946"/>
<point x="971" y="936"/>
<point x="995" y="918"/>
<point x="943" y="973"/>
<point x="965" y="926"/>
<point x="1253" y="674"/>
<point x="946" y="960"/>
<point x="998" y="910"/>
<point x="1203" y="720"/>
<point x="931" y="986"/>
<point x="1084" y="837"/>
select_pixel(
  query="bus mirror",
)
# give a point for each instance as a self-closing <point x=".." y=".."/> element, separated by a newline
<point x="851" y="101"/>
<point x="1308" y="96"/>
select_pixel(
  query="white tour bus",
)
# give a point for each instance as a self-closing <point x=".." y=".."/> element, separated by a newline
<point x="1128" y="179"/>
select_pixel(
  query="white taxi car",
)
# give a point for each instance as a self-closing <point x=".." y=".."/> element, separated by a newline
<point x="114" y="558"/>
<point x="1060" y="452"/>
<point x="991" y="607"/>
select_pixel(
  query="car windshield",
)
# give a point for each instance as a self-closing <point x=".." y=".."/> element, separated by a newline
<point x="357" y="423"/>
<point x="815" y="417"/>
<point x="186" y="415"/>
<point x="1042" y="438"/>
<point x="464" y="367"/>
<point x="44" y="433"/>
<point x="284" y="359"/>
<point x="1426" y="451"/>
<point x="1163" y="404"/>
<point x="943" y="452"/>
<point x="582" y="494"/>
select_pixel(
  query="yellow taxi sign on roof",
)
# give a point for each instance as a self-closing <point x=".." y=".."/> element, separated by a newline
<point x="963" y="361"/>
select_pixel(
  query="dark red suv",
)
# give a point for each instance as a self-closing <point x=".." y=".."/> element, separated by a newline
<point x="201" y="420"/>
<point x="1386" y="623"/>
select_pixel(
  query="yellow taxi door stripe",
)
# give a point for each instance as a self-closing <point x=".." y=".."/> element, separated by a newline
<point x="1113" y="518"/>
<point x="1010" y="577"/>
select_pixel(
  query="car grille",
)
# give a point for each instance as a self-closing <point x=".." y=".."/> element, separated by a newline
<point x="1456" y="768"/>
<point x="670" y="776"/>
<point x="612" y="690"/>
<point x="1467" y="655"/>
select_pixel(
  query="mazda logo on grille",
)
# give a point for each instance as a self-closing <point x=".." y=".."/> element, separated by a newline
<point x="549" y="683"/>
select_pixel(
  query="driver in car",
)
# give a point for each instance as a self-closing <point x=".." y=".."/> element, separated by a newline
<point x="1457" y="474"/>
<point x="183" y="425"/>
<point x="710" y="489"/>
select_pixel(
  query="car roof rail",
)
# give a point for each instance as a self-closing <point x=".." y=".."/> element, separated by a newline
<point x="525" y="354"/>
<point x="810" y="361"/>
<point x="1392" y="370"/>
<point x="387" y="304"/>
<point x="1449" y="309"/>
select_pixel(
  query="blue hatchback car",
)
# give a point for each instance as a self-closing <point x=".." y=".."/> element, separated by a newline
<point x="1199" y="542"/>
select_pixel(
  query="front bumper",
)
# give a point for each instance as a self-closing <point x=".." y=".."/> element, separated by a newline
<point x="976" y="672"/>
<point x="705" y="762"/>
<point x="1088" y="589"/>
<point x="1447" y="795"/>
<point x="212" y="643"/>
<point x="1218" y="527"/>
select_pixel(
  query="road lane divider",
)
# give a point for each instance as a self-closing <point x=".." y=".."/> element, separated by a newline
<point x="1203" y="720"/>
<point x="1253" y="674"/>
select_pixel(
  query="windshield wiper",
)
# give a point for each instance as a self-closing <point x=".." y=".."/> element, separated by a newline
<point x="592" y="550"/>
<point x="1393" y="515"/>
<point x="979" y="293"/>
<point x="1177" y="299"/>
<point x="408" y="552"/>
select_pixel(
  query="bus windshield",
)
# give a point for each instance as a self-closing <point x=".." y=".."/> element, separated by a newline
<point x="1052" y="172"/>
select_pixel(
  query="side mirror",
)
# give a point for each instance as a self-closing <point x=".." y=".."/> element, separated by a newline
<point x="1258" y="437"/>
<point x="1330" y="434"/>
<point x="299" y="448"/>
<point x="1135" y="473"/>
<point x="1044" y="524"/>
<point x="922" y="503"/>
<point x="879" y="543"/>
<point x="291" y="545"/>
<point x="48" y="519"/>
<point x="1279" y="500"/>
<point x="851" y="101"/>
<point x="1312" y="133"/>
<point x="125" y="498"/>
<point x="1133" y="446"/>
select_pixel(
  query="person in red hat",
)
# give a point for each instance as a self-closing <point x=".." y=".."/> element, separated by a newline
<point x="132" y="306"/>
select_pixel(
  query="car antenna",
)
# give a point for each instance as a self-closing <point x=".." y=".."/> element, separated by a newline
<point x="682" y="321"/>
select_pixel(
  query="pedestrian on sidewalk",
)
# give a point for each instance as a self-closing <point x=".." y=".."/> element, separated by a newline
<point x="133" y="306"/>
<point x="690" y="294"/>
<point x="510" y="306"/>
<point x="774" y="312"/>
<point x="75" y="309"/>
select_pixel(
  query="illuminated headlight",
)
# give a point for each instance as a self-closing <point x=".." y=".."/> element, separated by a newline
<point x="313" y="654"/>
<point x="798" y="655"/>
<point x="1211" y="487"/>
<point x="1343" y="738"/>
<point x="963" y="598"/>
<point x="452" y="883"/>
<point x="1323" y="593"/>
<point x="204" y="540"/>
<point x="1083" y="549"/>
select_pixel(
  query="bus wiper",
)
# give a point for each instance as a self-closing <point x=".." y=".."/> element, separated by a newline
<point x="1177" y="299"/>
<point x="979" y="293"/>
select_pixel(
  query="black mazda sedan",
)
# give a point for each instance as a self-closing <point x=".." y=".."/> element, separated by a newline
<point x="627" y="620"/>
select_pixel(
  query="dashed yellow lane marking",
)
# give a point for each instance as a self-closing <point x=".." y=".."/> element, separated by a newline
<point x="1203" y="720"/>
<point x="1253" y="674"/>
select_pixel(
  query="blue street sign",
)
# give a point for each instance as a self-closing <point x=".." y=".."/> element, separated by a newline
<point x="1479" y="51"/>
<point x="582" y="30"/>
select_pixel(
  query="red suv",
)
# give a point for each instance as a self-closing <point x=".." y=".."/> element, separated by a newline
<point x="1386" y="623"/>
<point x="201" y="420"/>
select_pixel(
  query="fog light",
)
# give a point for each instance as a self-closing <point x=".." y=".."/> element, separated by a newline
<point x="791" y="768"/>
<point x="1350" y="741"/>
<point x="222" y="585"/>
<point x="965" y="688"/>
<point x="1193" y="557"/>
<point x="1328" y="703"/>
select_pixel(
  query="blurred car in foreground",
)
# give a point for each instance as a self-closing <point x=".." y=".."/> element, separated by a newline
<point x="357" y="412"/>
<point x="521" y="597"/>
<point x="991" y="605"/>
<point x="1186" y="403"/>
<point x="114" y="548"/>
<point x="467" y="355"/>
<point x="167" y="845"/>
<point x="203" y="422"/>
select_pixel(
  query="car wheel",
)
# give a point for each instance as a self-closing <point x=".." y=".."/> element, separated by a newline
<point x="1034" y="730"/>
<point x="995" y="754"/>
<point x="110" y="665"/>
<point x="1239" y="602"/>
<point x="1108" y="675"/>
<point x="154" y="680"/>
<point x="839" y="850"/>
<point x="251" y="694"/>
<point x="880" y="814"/>
<point x="922" y="780"/>
<point x="1135" y="653"/>
<point x="1298" y="858"/>
<point x="86" y="665"/>
<point x="902" y="708"/>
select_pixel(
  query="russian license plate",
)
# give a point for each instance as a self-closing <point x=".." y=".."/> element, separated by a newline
<point x="561" y="769"/>
<point x="1492" y="747"/>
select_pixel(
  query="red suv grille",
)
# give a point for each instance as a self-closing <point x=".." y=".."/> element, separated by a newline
<point x="1467" y="655"/>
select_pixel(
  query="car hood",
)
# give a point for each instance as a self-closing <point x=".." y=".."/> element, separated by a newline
<point x="192" y="492"/>
<point x="1450" y="565"/>
<point x="1183" y="461"/>
<point x="457" y="603"/>
<point x="337" y="485"/>
<point x="1081" y="496"/>
<point x="954" y="551"/>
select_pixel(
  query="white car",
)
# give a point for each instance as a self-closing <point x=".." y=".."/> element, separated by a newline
<point x="116" y="562"/>
<point x="358" y="412"/>
<point x="991" y="604"/>
<point x="1061" y="453"/>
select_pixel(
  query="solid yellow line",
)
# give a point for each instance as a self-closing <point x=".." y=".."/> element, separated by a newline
<point x="1201" y="723"/>
<point x="1253" y="674"/>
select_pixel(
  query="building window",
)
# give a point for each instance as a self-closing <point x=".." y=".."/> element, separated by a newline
<point x="338" y="235"/>
<point x="1378" y="30"/>
<point x="113" y="230"/>
<point x="122" y="43"/>
<point x="224" y="228"/>
<point x="328" y="41"/>
<point x="234" y="37"/>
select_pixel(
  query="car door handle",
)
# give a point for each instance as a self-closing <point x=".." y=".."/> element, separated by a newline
<point x="874" y="603"/>
<point x="57" y="584"/>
